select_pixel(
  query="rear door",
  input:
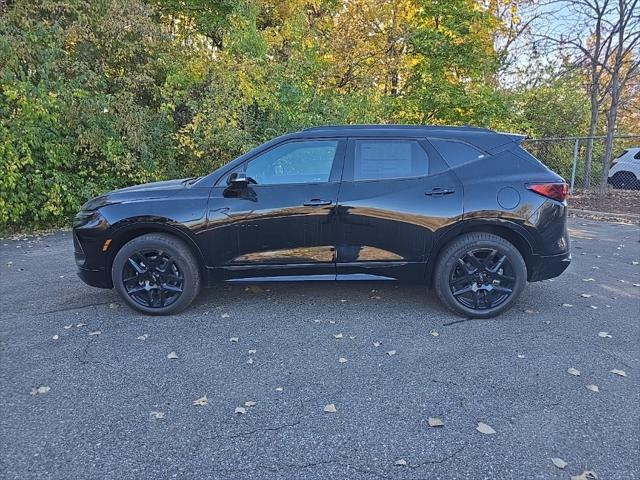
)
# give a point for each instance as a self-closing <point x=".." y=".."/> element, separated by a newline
<point x="396" y="195"/>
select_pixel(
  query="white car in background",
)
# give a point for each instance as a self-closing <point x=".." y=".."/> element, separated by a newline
<point x="625" y="171"/>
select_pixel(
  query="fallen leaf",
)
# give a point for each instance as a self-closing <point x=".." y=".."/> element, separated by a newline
<point x="56" y="337"/>
<point x="435" y="422"/>
<point x="342" y="360"/>
<point x="252" y="351"/>
<point x="172" y="355"/>
<point x="594" y="307"/>
<point x="377" y="344"/>
<point x="560" y="463"/>
<point x="330" y="408"/>
<point x="586" y="295"/>
<point x="240" y="410"/>
<point x="250" y="361"/>
<point x="114" y="305"/>
<point x="40" y="390"/>
<point x="573" y="371"/>
<point x="567" y="305"/>
<point x="401" y="463"/>
<point x="201" y="402"/>
<point x="97" y="332"/>
<point x="618" y="372"/>
<point x="67" y="327"/>
<point x="157" y="415"/>
<point x="391" y="352"/>
<point x="234" y="339"/>
<point x="142" y="337"/>
<point x="433" y="333"/>
<point x="81" y="325"/>
<point x="634" y="262"/>
<point x="531" y="311"/>
<point x="225" y="315"/>
<point x="249" y="403"/>
<point x="337" y="335"/>
<point x="484" y="428"/>
<point x="586" y="475"/>
<point x="604" y="335"/>
<point x="279" y="389"/>
<point x="592" y="387"/>
<point x="352" y="337"/>
<point x="588" y="279"/>
<point x="520" y="356"/>
<point x="332" y="322"/>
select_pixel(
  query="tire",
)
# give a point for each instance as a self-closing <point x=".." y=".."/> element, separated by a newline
<point x="156" y="274"/>
<point x="478" y="288"/>
<point x="624" y="181"/>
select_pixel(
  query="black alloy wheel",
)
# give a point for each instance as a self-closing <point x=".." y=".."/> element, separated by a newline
<point x="156" y="274"/>
<point x="480" y="275"/>
<point x="482" y="279"/>
<point x="152" y="278"/>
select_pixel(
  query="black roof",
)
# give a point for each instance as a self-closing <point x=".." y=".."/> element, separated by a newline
<point x="483" y="138"/>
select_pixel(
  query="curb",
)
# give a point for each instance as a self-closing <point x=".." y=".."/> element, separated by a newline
<point x="625" y="217"/>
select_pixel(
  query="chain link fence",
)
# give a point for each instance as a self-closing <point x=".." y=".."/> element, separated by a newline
<point x="580" y="161"/>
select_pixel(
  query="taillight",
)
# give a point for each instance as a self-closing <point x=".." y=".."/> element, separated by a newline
<point x="556" y="191"/>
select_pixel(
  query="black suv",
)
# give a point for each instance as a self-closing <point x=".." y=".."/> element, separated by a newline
<point x="465" y="210"/>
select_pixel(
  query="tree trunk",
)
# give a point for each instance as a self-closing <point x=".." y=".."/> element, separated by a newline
<point x="612" y="118"/>
<point x="593" y="125"/>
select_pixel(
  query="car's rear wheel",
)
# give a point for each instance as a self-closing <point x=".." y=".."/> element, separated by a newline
<point x="156" y="274"/>
<point x="480" y="275"/>
<point x="624" y="181"/>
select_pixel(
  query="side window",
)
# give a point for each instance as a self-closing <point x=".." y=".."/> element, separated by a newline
<point x="386" y="159"/>
<point x="456" y="153"/>
<point x="294" y="162"/>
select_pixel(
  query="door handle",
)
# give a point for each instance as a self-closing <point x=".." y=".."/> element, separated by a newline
<point x="439" y="191"/>
<point x="316" y="202"/>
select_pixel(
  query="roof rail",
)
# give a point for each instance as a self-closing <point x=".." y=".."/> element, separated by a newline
<point x="398" y="126"/>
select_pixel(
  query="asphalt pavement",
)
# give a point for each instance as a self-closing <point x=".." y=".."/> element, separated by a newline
<point x="87" y="390"/>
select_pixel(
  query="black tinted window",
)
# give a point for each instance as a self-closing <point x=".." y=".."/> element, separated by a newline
<point x="294" y="162"/>
<point x="456" y="153"/>
<point x="380" y="159"/>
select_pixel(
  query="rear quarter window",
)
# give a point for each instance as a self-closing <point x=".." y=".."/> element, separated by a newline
<point x="456" y="153"/>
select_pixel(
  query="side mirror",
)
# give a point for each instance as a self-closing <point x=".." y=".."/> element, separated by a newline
<point x="238" y="180"/>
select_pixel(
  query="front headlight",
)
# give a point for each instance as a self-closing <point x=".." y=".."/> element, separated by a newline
<point x="89" y="219"/>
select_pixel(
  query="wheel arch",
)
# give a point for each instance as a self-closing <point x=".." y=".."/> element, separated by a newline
<point x="127" y="232"/>
<point x="510" y="231"/>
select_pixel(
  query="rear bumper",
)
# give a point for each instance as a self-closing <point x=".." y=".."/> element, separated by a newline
<point x="544" y="267"/>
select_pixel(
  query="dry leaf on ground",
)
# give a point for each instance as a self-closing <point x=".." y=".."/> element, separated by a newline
<point x="201" y="402"/>
<point x="558" y="462"/>
<point x="391" y="352"/>
<point x="573" y="371"/>
<point x="401" y="463"/>
<point x="484" y="428"/>
<point x="157" y="415"/>
<point x="342" y="360"/>
<point x="604" y="335"/>
<point x="592" y="387"/>
<point x="615" y="371"/>
<point x="172" y="355"/>
<point x="240" y="410"/>
<point x="330" y="408"/>
<point x="586" y="475"/>
<point x="435" y="422"/>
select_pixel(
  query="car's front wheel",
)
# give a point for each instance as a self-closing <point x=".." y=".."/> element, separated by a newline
<point x="156" y="274"/>
<point x="480" y="275"/>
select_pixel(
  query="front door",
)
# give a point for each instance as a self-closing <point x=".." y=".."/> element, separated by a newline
<point x="282" y="222"/>
<point x="395" y="195"/>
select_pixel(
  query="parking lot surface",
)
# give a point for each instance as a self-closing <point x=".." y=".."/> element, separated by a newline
<point x="87" y="389"/>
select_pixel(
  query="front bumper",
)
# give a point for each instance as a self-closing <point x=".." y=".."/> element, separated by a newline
<point x="544" y="267"/>
<point x="89" y="234"/>
<point x="95" y="278"/>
